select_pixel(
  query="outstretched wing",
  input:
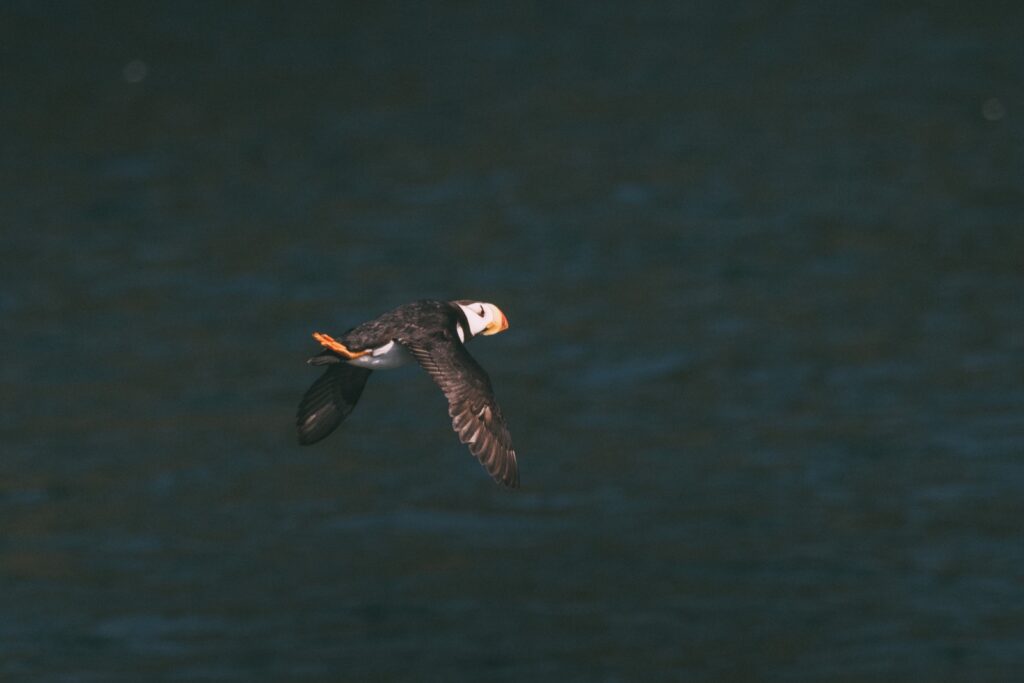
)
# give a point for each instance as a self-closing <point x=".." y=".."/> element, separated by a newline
<point x="329" y="400"/>
<point x="476" y="416"/>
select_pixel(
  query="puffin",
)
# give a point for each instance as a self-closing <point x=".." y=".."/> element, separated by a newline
<point x="434" y="334"/>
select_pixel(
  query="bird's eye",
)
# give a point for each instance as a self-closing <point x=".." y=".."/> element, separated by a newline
<point x="480" y="311"/>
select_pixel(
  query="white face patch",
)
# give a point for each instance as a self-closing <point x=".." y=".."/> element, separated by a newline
<point x="479" y="315"/>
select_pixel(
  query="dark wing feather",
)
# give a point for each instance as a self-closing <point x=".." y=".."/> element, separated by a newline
<point x="329" y="400"/>
<point x="476" y="416"/>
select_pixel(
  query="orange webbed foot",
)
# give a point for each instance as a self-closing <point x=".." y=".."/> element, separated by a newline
<point x="329" y="342"/>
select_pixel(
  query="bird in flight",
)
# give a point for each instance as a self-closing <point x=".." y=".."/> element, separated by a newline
<point x="433" y="333"/>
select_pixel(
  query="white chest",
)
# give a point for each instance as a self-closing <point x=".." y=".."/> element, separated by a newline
<point x="391" y="355"/>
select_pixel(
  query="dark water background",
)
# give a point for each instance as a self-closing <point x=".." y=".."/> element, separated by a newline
<point x="764" y="265"/>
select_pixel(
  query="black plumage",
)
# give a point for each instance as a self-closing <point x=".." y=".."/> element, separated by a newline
<point x="330" y="400"/>
<point x="430" y="332"/>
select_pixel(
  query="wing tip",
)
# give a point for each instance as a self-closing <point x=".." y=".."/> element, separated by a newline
<point x="508" y="474"/>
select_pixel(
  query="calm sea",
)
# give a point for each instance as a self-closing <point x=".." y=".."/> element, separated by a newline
<point x="764" y="268"/>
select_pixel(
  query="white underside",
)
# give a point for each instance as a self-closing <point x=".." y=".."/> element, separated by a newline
<point x="391" y="355"/>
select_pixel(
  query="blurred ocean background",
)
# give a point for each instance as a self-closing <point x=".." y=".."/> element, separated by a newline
<point x="764" y="267"/>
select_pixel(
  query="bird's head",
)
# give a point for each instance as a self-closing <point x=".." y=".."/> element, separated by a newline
<point x="483" y="318"/>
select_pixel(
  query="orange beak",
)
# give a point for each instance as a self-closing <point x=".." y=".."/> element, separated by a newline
<point x="500" y="324"/>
